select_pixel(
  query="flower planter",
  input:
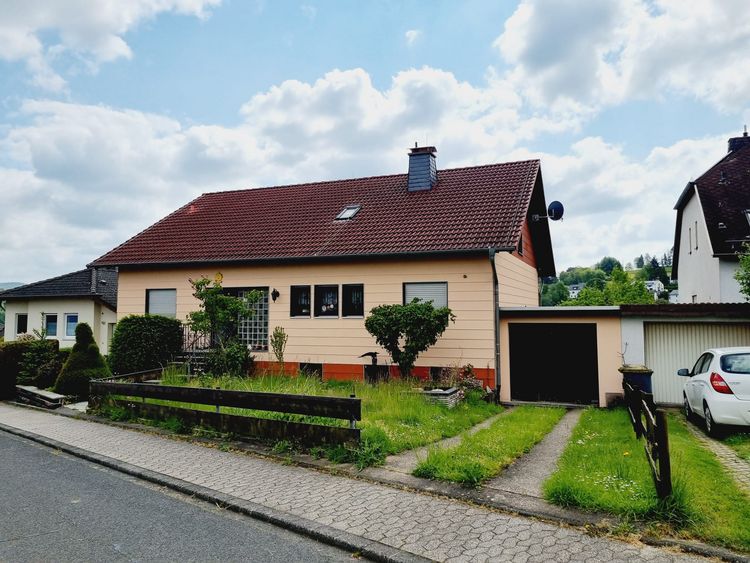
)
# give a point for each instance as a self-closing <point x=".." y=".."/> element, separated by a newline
<point x="449" y="396"/>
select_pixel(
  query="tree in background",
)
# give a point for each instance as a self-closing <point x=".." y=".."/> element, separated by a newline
<point x="406" y="331"/>
<point x="652" y="270"/>
<point x="639" y="261"/>
<point x="618" y="290"/>
<point x="742" y="275"/>
<point x="554" y="294"/>
<point x="578" y="274"/>
<point x="607" y="264"/>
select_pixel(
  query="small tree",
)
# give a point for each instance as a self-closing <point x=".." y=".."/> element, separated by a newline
<point x="84" y="364"/>
<point x="742" y="275"/>
<point x="279" y="338"/>
<point x="219" y="317"/>
<point x="405" y="331"/>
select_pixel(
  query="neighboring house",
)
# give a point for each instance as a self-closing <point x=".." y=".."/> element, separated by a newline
<point x="59" y="304"/>
<point x="574" y="289"/>
<point x="324" y="254"/>
<point x="655" y="287"/>
<point x="674" y="296"/>
<point x="713" y="223"/>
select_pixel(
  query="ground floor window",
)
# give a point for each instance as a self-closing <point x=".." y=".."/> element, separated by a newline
<point x="299" y="301"/>
<point x="436" y="292"/>
<point x="253" y="331"/>
<point x="326" y="301"/>
<point x="161" y="302"/>
<point x="353" y="300"/>
<point x="50" y="325"/>
<point x="22" y="323"/>
<point x="71" y="321"/>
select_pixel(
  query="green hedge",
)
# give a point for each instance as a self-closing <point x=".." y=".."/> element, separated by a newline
<point x="144" y="342"/>
<point x="11" y="356"/>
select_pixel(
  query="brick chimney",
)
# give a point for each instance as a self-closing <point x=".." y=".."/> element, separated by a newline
<point x="422" y="168"/>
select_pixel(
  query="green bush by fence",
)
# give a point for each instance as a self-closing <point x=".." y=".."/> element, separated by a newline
<point x="144" y="342"/>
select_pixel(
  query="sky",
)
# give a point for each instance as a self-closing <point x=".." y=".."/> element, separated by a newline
<point x="113" y="114"/>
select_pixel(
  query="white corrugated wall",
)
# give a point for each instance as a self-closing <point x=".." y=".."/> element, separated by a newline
<point x="671" y="346"/>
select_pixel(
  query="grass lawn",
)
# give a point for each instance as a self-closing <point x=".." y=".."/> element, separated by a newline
<point x="487" y="452"/>
<point x="739" y="442"/>
<point x="604" y="468"/>
<point x="394" y="418"/>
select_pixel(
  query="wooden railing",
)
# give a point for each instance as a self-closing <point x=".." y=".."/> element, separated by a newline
<point x="133" y="396"/>
<point x="651" y="424"/>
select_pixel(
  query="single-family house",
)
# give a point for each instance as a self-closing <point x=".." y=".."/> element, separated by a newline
<point x="59" y="304"/>
<point x="713" y="224"/>
<point x="574" y="289"/>
<point x="324" y="254"/>
<point x="655" y="287"/>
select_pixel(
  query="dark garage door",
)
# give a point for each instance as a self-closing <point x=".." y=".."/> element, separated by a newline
<point x="554" y="362"/>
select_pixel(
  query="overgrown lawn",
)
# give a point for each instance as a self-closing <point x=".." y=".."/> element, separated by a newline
<point x="740" y="443"/>
<point x="604" y="468"/>
<point x="487" y="452"/>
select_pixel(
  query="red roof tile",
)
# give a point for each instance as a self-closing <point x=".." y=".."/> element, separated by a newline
<point x="468" y="209"/>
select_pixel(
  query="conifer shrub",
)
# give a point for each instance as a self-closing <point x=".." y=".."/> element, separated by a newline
<point x="143" y="342"/>
<point x="11" y="357"/>
<point x="83" y="364"/>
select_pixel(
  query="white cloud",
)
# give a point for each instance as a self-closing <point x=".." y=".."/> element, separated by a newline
<point x="309" y="11"/>
<point x="588" y="53"/>
<point x="91" y="30"/>
<point x="412" y="36"/>
<point x="78" y="180"/>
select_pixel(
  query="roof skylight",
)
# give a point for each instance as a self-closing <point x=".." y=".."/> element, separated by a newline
<point x="348" y="212"/>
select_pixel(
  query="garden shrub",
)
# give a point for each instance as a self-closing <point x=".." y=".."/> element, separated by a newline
<point x="11" y="356"/>
<point x="40" y="363"/>
<point x="83" y="364"/>
<point x="143" y="342"/>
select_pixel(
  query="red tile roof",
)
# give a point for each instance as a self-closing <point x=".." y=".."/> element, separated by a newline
<point x="469" y="209"/>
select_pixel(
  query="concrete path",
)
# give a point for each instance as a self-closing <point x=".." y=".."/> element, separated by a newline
<point x="436" y="528"/>
<point x="734" y="464"/>
<point x="407" y="461"/>
<point x="527" y="474"/>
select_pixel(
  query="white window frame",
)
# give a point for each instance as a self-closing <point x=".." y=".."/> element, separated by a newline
<point x="65" y="335"/>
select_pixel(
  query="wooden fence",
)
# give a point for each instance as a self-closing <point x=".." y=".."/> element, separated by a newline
<point x="342" y="408"/>
<point x="654" y="430"/>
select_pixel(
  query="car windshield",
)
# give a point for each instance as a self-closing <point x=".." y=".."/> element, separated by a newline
<point x="736" y="363"/>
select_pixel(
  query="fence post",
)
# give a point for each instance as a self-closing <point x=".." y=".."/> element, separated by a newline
<point x="352" y="422"/>
<point x="218" y="400"/>
<point x="662" y="448"/>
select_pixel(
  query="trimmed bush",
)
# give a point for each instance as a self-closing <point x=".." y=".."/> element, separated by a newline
<point x="41" y="363"/>
<point x="83" y="364"/>
<point x="144" y="342"/>
<point x="11" y="356"/>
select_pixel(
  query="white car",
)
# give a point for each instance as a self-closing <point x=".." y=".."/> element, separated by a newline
<point x="719" y="388"/>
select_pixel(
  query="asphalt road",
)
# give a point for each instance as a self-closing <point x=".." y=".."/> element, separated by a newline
<point x="58" y="507"/>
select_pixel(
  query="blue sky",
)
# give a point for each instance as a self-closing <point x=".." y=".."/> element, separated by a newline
<point x="112" y="114"/>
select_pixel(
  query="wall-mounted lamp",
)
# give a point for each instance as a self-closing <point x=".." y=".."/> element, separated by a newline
<point x="275" y="294"/>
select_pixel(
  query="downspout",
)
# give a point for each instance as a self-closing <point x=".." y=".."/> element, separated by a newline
<point x="496" y="319"/>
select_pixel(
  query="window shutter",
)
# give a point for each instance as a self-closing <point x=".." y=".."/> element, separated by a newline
<point x="162" y="302"/>
<point x="435" y="292"/>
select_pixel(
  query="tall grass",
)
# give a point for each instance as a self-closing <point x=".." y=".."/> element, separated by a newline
<point x="487" y="452"/>
<point x="740" y="443"/>
<point x="394" y="417"/>
<point x="604" y="468"/>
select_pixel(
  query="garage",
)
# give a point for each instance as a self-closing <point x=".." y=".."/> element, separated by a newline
<point x="670" y="346"/>
<point x="554" y="362"/>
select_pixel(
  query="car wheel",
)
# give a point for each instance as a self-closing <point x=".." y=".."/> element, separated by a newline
<point x="689" y="415"/>
<point x="712" y="429"/>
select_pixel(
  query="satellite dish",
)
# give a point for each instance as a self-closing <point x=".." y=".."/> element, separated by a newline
<point x="555" y="210"/>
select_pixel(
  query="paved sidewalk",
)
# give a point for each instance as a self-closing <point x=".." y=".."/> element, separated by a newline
<point x="528" y="473"/>
<point x="435" y="528"/>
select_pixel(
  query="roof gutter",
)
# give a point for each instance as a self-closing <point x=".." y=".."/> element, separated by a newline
<point x="496" y="317"/>
<point x="307" y="259"/>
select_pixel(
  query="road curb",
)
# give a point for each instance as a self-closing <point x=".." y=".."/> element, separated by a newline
<point x="370" y="549"/>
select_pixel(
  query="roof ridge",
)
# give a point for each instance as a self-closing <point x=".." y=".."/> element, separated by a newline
<point x="362" y="178"/>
